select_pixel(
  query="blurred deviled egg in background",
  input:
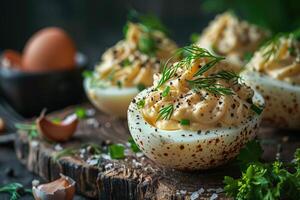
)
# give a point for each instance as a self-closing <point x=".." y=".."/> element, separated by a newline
<point x="128" y="67"/>
<point x="197" y="115"/>
<point x="274" y="70"/>
<point x="229" y="36"/>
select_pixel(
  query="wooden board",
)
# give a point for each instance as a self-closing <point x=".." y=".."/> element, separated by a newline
<point x="134" y="177"/>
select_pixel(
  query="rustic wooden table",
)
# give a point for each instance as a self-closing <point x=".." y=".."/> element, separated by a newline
<point x="135" y="177"/>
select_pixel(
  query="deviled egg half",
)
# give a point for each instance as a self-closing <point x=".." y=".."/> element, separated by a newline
<point x="274" y="70"/>
<point x="197" y="114"/>
<point x="229" y="36"/>
<point x="127" y="67"/>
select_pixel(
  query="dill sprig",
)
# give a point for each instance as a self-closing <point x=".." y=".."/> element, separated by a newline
<point x="192" y="52"/>
<point x="228" y="76"/>
<point x="209" y="84"/>
<point x="30" y="129"/>
<point x="16" y="190"/>
<point x="165" y="112"/>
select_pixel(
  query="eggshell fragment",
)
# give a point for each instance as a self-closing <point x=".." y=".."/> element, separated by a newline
<point x="190" y="150"/>
<point x="62" y="189"/>
<point x="49" y="49"/>
<point x="58" y="132"/>
<point x="282" y="108"/>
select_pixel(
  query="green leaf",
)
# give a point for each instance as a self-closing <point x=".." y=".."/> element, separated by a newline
<point x="133" y="145"/>
<point x="81" y="112"/>
<point x="146" y="44"/>
<point x="126" y="62"/>
<point x="141" y="103"/>
<point x="141" y="86"/>
<point x="87" y="74"/>
<point x="125" y="29"/>
<point x="185" y="122"/>
<point x="166" y="91"/>
<point x="257" y="109"/>
<point x="251" y="153"/>
<point x="194" y="37"/>
<point x="116" y="151"/>
<point x="56" y="120"/>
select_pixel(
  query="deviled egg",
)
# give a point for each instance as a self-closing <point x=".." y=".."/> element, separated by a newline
<point x="274" y="70"/>
<point x="128" y="67"/>
<point x="229" y="36"/>
<point x="197" y="114"/>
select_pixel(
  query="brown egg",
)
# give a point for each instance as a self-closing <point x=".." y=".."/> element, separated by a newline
<point x="11" y="58"/>
<point x="49" y="49"/>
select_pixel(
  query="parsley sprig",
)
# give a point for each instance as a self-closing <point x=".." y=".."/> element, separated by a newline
<point x="264" y="180"/>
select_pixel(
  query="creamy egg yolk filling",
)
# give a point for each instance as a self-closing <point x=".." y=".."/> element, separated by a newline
<point x="224" y="102"/>
<point x="279" y="59"/>
<point x="133" y="61"/>
<point x="228" y="36"/>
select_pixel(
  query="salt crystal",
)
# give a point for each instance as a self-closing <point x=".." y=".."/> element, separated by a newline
<point x="108" y="166"/>
<point x="58" y="147"/>
<point x="93" y="122"/>
<point x="90" y="112"/>
<point x="195" y="195"/>
<point x="213" y="196"/>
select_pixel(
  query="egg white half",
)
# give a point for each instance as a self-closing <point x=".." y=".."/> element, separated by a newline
<point x="190" y="150"/>
<point x="282" y="108"/>
<point x="111" y="100"/>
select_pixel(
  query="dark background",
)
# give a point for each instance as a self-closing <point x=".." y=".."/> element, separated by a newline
<point x="97" y="24"/>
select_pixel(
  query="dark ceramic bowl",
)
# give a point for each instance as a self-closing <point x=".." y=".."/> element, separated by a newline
<point x="28" y="93"/>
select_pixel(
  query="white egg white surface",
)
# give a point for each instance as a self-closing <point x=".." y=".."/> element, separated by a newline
<point x="111" y="100"/>
<point x="282" y="107"/>
<point x="189" y="150"/>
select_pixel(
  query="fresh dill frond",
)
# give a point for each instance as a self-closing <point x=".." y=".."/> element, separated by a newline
<point x="166" y="112"/>
<point x="209" y="84"/>
<point x="192" y="52"/>
<point x="30" y="129"/>
<point x="228" y="76"/>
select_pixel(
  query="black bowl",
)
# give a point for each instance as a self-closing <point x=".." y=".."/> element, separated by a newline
<point x="28" y="93"/>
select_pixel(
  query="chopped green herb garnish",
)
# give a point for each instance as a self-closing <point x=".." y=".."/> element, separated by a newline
<point x="146" y="44"/>
<point x="166" y="112"/>
<point x="126" y="62"/>
<point x="87" y="74"/>
<point x="125" y="29"/>
<point x="141" y="103"/>
<point x="80" y="112"/>
<point x="116" y="151"/>
<point x="185" y="122"/>
<point x="166" y="91"/>
<point x="133" y="145"/>
<point x="258" y="110"/>
<point x="15" y="190"/>
<point x="119" y="84"/>
<point x="141" y="86"/>
<point x="194" y="37"/>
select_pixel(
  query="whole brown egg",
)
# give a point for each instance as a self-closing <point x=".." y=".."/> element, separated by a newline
<point x="49" y="49"/>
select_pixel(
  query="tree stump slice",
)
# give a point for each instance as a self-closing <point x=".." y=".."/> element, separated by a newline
<point x="136" y="176"/>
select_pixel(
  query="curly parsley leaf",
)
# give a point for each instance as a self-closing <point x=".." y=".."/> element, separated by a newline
<point x="251" y="153"/>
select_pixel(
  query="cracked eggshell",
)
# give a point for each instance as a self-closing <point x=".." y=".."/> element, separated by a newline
<point x="282" y="107"/>
<point x="190" y="150"/>
<point x="111" y="100"/>
<point x="66" y="193"/>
